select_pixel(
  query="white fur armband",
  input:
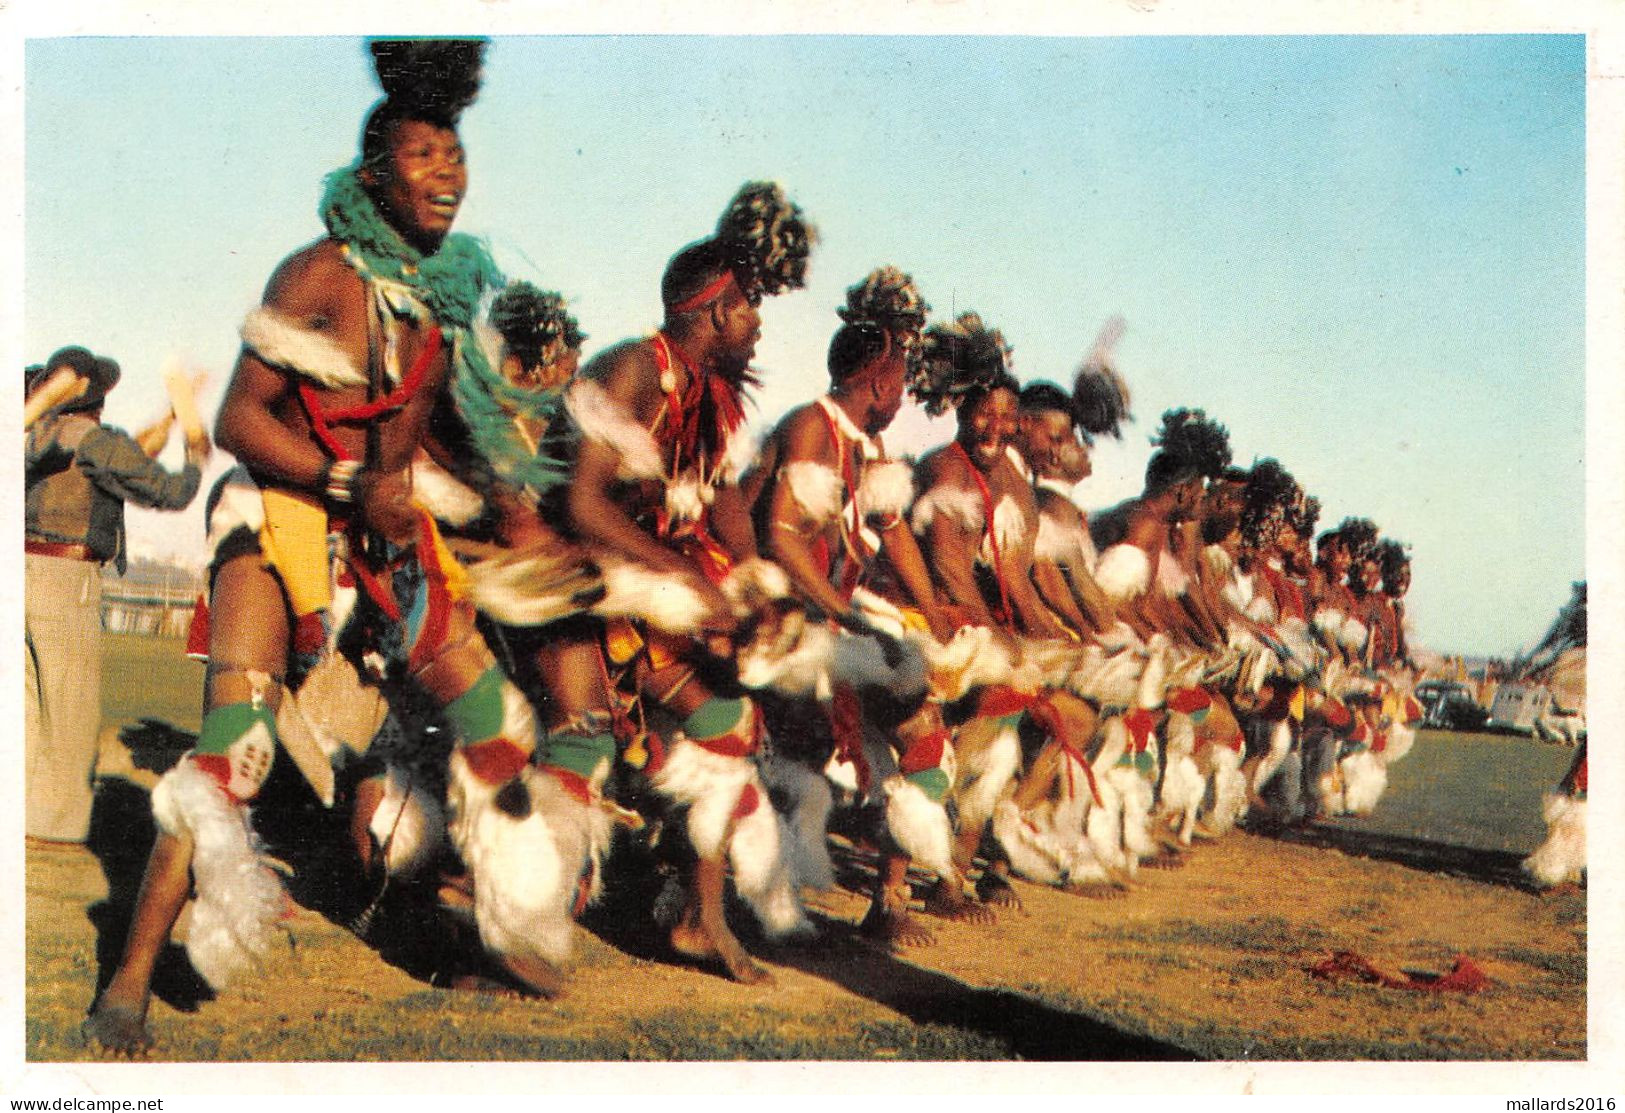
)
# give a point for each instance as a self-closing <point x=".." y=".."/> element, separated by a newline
<point x="753" y="583"/>
<point x="1009" y="524"/>
<point x="955" y="503"/>
<point x="600" y="418"/>
<point x="1058" y="542"/>
<point x="1124" y="572"/>
<point x="886" y="490"/>
<point x="1353" y="634"/>
<point x="817" y="488"/>
<point x="284" y="343"/>
<point x="443" y="495"/>
<point x="1329" y="622"/>
<point x="665" y="601"/>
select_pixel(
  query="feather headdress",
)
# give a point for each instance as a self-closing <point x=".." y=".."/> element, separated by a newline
<point x="430" y="79"/>
<point x="1359" y="536"/>
<point x="766" y="239"/>
<point x="536" y="327"/>
<point x="1100" y="397"/>
<point x="1394" y="557"/>
<point x="1267" y="500"/>
<point x="1189" y="444"/>
<point x="535" y="324"/>
<point x="888" y="299"/>
<point x="1304" y="514"/>
<point x="957" y="360"/>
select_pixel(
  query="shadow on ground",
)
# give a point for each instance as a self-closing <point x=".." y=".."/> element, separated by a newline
<point x="1495" y="867"/>
<point x="121" y="836"/>
<point x="1025" y="1027"/>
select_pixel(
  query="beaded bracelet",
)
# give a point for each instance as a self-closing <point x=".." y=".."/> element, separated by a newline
<point x="340" y="480"/>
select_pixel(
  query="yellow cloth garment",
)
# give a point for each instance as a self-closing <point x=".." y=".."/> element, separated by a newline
<point x="294" y="543"/>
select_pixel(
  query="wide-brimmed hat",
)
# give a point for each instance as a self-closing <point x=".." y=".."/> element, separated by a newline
<point x="103" y="373"/>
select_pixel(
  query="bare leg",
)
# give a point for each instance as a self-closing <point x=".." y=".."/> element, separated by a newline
<point x="703" y="932"/>
<point x="249" y="634"/>
<point x="368" y="795"/>
<point x="118" y="1022"/>
<point x="888" y="916"/>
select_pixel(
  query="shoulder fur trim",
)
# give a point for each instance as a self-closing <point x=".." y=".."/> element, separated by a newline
<point x="817" y="488"/>
<point x="443" y="495"/>
<point x="1058" y="542"/>
<point x="602" y="419"/>
<point x="886" y="490"/>
<point x="962" y="506"/>
<point x="1124" y="572"/>
<point x="284" y="343"/>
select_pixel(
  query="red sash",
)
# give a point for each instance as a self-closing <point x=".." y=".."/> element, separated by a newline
<point x="1003" y="612"/>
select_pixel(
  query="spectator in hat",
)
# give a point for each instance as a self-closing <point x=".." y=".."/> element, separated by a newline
<point x="78" y="475"/>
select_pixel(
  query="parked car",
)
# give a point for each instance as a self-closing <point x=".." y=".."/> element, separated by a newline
<point x="1449" y="705"/>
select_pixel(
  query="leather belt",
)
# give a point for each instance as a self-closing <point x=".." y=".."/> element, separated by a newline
<point x="68" y="550"/>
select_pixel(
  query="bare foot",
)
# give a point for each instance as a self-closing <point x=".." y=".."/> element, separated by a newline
<point x="479" y="983"/>
<point x="947" y="901"/>
<point x="894" y="925"/>
<point x="1164" y="861"/>
<point x="995" y="889"/>
<point x="1097" y="890"/>
<point x="746" y="970"/>
<point x="535" y="973"/>
<point x="118" y="1029"/>
<point x="691" y="941"/>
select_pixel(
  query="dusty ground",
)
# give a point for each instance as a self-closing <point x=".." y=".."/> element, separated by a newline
<point x="1210" y="962"/>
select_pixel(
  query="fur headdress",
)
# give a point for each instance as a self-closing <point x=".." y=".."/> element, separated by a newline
<point x="1100" y="398"/>
<point x="959" y="360"/>
<point x="1189" y="444"/>
<point x="766" y="239"/>
<point x="428" y="79"/>
<point x="534" y="324"/>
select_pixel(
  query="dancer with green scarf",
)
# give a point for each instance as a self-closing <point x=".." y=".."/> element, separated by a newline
<point x="362" y="335"/>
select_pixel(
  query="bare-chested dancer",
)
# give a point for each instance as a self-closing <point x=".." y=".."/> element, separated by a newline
<point x="654" y="485"/>
<point x="832" y="510"/>
<point x="331" y="398"/>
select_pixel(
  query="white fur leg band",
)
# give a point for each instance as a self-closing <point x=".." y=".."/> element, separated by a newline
<point x="527" y="868"/>
<point x="239" y="901"/>
<point x="729" y="814"/>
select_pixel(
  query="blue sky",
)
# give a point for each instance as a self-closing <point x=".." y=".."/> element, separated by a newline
<point x="1365" y="255"/>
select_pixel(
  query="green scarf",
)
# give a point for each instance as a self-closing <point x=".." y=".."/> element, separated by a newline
<point x="451" y="284"/>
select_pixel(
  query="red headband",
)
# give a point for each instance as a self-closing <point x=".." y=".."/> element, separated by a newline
<point x="690" y="304"/>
